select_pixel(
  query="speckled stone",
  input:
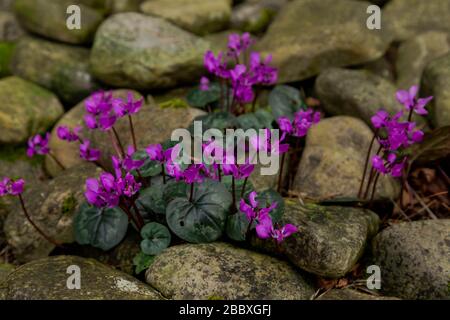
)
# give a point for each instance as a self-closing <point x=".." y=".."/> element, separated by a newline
<point x="351" y="294"/>
<point x="414" y="259"/>
<point x="46" y="279"/>
<point x="333" y="160"/>
<point x="222" y="271"/>
<point x="330" y="240"/>
<point x="52" y="206"/>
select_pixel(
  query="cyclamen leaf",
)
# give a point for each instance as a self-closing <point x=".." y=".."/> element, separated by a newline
<point x="200" y="99"/>
<point x="237" y="225"/>
<point x="285" y="101"/>
<point x="203" y="219"/>
<point x="269" y="196"/>
<point x="156" y="238"/>
<point x="150" y="168"/>
<point x="151" y="199"/>
<point x="102" y="228"/>
<point x="142" y="261"/>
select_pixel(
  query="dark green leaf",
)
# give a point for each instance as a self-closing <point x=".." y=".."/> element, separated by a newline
<point x="151" y="199"/>
<point x="150" y="168"/>
<point x="203" y="219"/>
<point x="269" y="196"/>
<point x="174" y="189"/>
<point x="156" y="238"/>
<point x="142" y="262"/>
<point x="200" y="99"/>
<point x="285" y="101"/>
<point x="237" y="225"/>
<point x="102" y="228"/>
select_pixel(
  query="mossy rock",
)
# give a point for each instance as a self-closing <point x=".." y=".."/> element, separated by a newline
<point x="6" y="52"/>
<point x="60" y="68"/>
<point x="222" y="271"/>
<point x="10" y="29"/>
<point x="48" y="18"/>
<point x="330" y="239"/>
<point x="26" y="109"/>
<point x="47" y="278"/>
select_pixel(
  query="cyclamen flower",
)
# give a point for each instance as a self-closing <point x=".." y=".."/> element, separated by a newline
<point x="88" y="153"/>
<point x="265" y="230"/>
<point x="303" y="121"/>
<point x="238" y="44"/>
<point x="64" y="133"/>
<point x="103" y="192"/>
<point x="265" y="143"/>
<point x="204" y="84"/>
<point x="129" y="107"/>
<point x="128" y="185"/>
<point x="409" y="100"/>
<point x="389" y="166"/>
<point x="129" y="163"/>
<point x="38" y="145"/>
<point x="155" y="152"/>
<point x="252" y="210"/>
<point x="262" y="72"/>
<point x="195" y="173"/>
<point x="100" y="111"/>
<point x="11" y="187"/>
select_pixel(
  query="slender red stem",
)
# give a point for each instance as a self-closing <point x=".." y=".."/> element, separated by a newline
<point x="133" y="136"/>
<point x="280" y="175"/>
<point x="243" y="187"/>
<point x="56" y="160"/>
<point x="116" y="135"/>
<point x="192" y="192"/>
<point x="40" y="231"/>
<point x="374" y="187"/>
<point x="367" y="163"/>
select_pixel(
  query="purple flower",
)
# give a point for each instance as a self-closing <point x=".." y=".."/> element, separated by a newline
<point x="262" y="72"/>
<point x="303" y="121"/>
<point x="129" y="163"/>
<point x="265" y="230"/>
<point x="380" y="119"/>
<point x="264" y="143"/>
<point x="87" y="153"/>
<point x="238" y="44"/>
<point x="64" y="133"/>
<point x="409" y="100"/>
<point x="155" y="152"/>
<point x="100" y="114"/>
<point x="285" y="125"/>
<point x="128" y="185"/>
<point x="195" y="173"/>
<point x="129" y="107"/>
<point x="38" y="145"/>
<point x="252" y="210"/>
<point x="103" y="192"/>
<point x="11" y="187"/>
<point x="390" y="165"/>
<point x="204" y="84"/>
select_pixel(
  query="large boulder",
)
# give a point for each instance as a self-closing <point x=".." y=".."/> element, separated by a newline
<point x="133" y="50"/>
<point x="414" y="259"/>
<point x="26" y="109"/>
<point x="10" y="29"/>
<point x="406" y="18"/>
<point x="308" y="36"/>
<point x="152" y="125"/>
<point x="330" y="239"/>
<point x="357" y="93"/>
<point x="222" y="271"/>
<point x="415" y="53"/>
<point x="333" y="161"/>
<point x="61" y="68"/>
<point x="436" y="82"/>
<point x="197" y="16"/>
<point x="47" y="279"/>
<point x="48" y="18"/>
<point x="52" y="206"/>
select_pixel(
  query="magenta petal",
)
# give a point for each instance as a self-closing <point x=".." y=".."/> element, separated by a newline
<point x="252" y="199"/>
<point x="289" y="229"/>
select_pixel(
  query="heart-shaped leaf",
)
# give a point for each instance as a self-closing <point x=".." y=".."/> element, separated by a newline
<point x="142" y="261"/>
<point x="102" y="228"/>
<point x="173" y="189"/>
<point x="156" y="238"/>
<point x="285" y="101"/>
<point x="201" y="98"/>
<point x="151" y="199"/>
<point x="237" y="225"/>
<point x="266" y="198"/>
<point x="202" y="219"/>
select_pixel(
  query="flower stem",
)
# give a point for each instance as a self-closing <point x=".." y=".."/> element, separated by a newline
<point x="118" y="141"/>
<point x="233" y="188"/>
<point x="132" y="218"/>
<point x="243" y="187"/>
<point x="367" y="163"/>
<point x="56" y="160"/>
<point x="280" y="175"/>
<point x="374" y="187"/>
<point x="410" y="114"/>
<point x="192" y="192"/>
<point x="371" y="176"/>
<point x="139" y="219"/>
<point x="115" y="146"/>
<point x="220" y="173"/>
<point x="42" y="233"/>
<point x="133" y="136"/>
<point x="254" y="100"/>
<point x="163" y="173"/>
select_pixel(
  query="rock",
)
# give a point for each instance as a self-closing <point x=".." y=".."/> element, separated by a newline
<point x="117" y="6"/>
<point x="10" y="29"/>
<point x="407" y="18"/>
<point x="436" y="82"/>
<point x="6" y="52"/>
<point x="351" y="294"/>
<point x="52" y="206"/>
<point x="414" y="259"/>
<point x="5" y="270"/>
<point x="141" y="52"/>
<point x="333" y="160"/>
<point x="330" y="240"/>
<point x="308" y="36"/>
<point x="6" y="5"/>
<point x="197" y="16"/>
<point x="381" y="67"/>
<point x="61" y="68"/>
<point x="47" y="278"/>
<point x="26" y="109"/>
<point x="222" y="271"/>
<point x="415" y="53"/>
<point x="357" y="93"/>
<point x="255" y="15"/>
<point x="48" y="18"/>
<point x="152" y="125"/>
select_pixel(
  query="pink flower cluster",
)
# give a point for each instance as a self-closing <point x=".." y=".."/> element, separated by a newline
<point x="9" y="187"/>
<point x="265" y="228"/>
<point x="242" y="77"/>
<point x="303" y="120"/>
